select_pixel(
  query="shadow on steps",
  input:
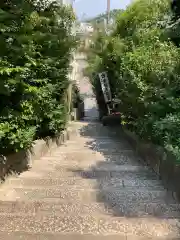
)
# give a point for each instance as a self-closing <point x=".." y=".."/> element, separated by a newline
<point x="125" y="185"/>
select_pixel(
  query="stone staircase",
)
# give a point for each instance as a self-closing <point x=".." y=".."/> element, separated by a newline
<point x="92" y="187"/>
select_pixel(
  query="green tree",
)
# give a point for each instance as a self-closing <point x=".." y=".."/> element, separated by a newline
<point x="35" y="52"/>
<point x="143" y="68"/>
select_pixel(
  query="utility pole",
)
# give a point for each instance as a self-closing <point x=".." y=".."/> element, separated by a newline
<point x="108" y="11"/>
<point x="72" y="3"/>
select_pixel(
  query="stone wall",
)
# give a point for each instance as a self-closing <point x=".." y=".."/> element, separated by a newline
<point x="21" y="161"/>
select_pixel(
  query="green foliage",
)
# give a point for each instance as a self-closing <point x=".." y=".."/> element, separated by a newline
<point x="143" y="66"/>
<point x="36" y="44"/>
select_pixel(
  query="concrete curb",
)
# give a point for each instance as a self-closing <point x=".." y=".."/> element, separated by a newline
<point x="21" y="161"/>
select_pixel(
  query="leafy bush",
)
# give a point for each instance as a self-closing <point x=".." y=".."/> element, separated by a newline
<point x="143" y="65"/>
<point x="36" y="44"/>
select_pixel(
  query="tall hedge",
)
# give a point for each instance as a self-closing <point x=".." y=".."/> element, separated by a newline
<point x="143" y="65"/>
<point x="35" y="51"/>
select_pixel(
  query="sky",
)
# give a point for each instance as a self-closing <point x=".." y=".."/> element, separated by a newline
<point x="91" y="8"/>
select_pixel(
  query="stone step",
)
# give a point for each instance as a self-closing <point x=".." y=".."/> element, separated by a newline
<point x="53" y="162"/>
<point x="91" y="174"/>
<point x="79" y="182"/>
<point x="57" y="236"/>
<point x="108" y="140"/>
<point x="88" y="185"/>
<point x="58" y="208"/>
<point x="123" y="155"/>
<point x="109" y="150"/>
<point x="100" y="138"/>
<point x="95" y="133"/>
<point x="127" y="158"/>
<point x="19" y="208"/>
<point x="98" y="141"/>
<point x="88" y="174"/>
<point x="95" y="145"/>
<point x="105" y="195"/>
<point x="146" y="227"/>
<point x="79" y="156"/>
<point x="91" y="158"/>
<point x="107" y="167"/>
